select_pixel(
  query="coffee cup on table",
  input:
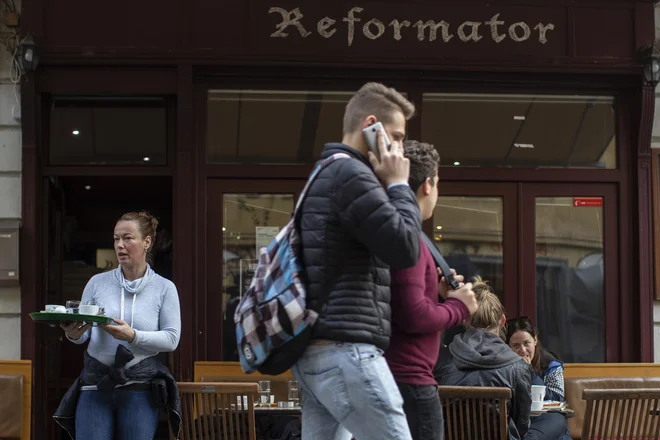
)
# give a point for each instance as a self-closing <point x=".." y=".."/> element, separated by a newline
<point x="538" y="394"/>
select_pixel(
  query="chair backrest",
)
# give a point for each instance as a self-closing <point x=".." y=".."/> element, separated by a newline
<point x="215" y="410"/>
<point x="11" y="407"/>
<point x="473" y="413"/>
<point x="16" y="399"/>
<point x="621" y="413"/>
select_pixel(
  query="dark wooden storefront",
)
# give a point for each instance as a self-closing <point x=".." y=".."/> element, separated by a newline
<point x="178" y="51"/>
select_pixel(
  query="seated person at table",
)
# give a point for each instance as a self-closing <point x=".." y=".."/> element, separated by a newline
<point x="548" y="370"/>
<point x="480" y="357"/>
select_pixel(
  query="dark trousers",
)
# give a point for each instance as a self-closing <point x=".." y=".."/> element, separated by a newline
<point x="423" y="411"/>
<point x="549" y="426"/>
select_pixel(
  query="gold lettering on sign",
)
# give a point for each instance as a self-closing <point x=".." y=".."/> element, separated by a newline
<point x="374" y="28"/>
<point x="526" y="31"/>
<point x="323" y="25"/>
<point x="433" y="31"/>
<point x="397" y="28"/>
<point x="494" y="22"/>
<point x="474" y="35"/>
<point x="542" y="28"/>
<point x="288" y="19"/>
<point x="351" y="19"/>
<point x="367" y="30"/>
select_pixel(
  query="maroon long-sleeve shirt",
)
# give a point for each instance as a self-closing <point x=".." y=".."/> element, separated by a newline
<point x="417" y="320"/>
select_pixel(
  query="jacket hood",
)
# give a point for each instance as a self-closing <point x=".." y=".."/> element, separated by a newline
<point x="146" y="279"/>
<point x="336" y="147"/>
<point x="478" y="349"/>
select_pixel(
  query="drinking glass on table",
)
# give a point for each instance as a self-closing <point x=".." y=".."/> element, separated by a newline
<point x="264" y="392"/>
<point x="294" y="395"/>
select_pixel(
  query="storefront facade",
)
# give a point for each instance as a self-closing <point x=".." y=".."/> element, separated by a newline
<point x="210" y="115"/>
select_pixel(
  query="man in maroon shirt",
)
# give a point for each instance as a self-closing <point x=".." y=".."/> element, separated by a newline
<point x="417" y="315"/>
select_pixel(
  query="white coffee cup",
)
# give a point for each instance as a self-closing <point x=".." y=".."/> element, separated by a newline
<point x="87" y="309"/>
<point x="538" y="393"/>
<point x="537" y="406"/>
<point x="55" y="308"/>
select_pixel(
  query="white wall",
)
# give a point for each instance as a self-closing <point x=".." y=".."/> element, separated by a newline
<point x="10" y="203"/>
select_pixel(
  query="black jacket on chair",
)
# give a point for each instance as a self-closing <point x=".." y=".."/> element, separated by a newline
<point x="480" y="358"/>
<point x="352" y="231"/>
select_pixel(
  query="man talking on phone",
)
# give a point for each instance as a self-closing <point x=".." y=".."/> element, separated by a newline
<point x="359" y="218"/>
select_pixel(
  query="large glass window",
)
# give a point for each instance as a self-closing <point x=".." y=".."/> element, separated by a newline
<point x="108" y="131"/>
<point x="521" y="130"/>
<point x="259" y="126"/>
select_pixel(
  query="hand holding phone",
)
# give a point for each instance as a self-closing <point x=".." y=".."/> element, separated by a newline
<point x="371" y="138"/>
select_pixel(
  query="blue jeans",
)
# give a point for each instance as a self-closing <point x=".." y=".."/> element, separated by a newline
<point x="349" y="389"/>
<point x="126" y="414"/>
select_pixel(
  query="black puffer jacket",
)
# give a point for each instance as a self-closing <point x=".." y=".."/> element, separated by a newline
<point x="352" y="230"/>
<point x="480" y="358"/>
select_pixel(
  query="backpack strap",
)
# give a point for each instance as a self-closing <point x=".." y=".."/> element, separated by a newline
<point x="324" y="163"/>
<point x="440" y="261"/>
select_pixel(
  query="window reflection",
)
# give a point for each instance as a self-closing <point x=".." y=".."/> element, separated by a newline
<point x="569" y="277"/>
<point x="250" y="221"/>
<point x="260" y="126"/>
<point x="521" y="130"/>
<point x="468" y="232"/>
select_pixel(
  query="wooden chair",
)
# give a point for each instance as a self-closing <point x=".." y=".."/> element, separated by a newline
<point x="621" y="414"/>
<point x="472" y="413"/>
<point x="209" y="411"/>
<point x="16" y="399"/>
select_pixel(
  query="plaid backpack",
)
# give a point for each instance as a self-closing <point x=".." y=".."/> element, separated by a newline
<point x="273" y="323"/>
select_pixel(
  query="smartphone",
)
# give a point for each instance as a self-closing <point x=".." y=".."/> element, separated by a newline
<point x="371" y="137"/>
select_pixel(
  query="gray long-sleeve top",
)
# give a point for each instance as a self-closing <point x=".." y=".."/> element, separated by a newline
<point x="151" y="307"/>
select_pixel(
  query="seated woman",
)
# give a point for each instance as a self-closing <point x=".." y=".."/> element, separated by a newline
<point x="480" y="357"/>
<point x="548" y="370"/>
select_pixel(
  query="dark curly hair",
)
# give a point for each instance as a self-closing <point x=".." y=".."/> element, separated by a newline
<point x="424" y="162"/>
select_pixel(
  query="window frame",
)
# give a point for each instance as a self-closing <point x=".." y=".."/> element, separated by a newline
<point x="448" y="82"/>
<point x="655" y="191"/>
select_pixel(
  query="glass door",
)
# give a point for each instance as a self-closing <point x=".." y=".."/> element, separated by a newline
<point x="475" y="226"/>
<point x="243" y="216"/>
<point x="571" y="264"/>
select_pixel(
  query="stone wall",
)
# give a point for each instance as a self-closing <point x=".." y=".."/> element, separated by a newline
<point x="10" y="200"/>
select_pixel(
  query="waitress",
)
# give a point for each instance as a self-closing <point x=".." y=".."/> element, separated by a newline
<point x="123" y="385"/>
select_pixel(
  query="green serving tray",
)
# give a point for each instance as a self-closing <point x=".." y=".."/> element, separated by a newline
<point x="57" y="318"/>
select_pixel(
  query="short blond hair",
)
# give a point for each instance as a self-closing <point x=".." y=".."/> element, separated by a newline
<point x="378" y="100"/>
<point x="490" y="310"/>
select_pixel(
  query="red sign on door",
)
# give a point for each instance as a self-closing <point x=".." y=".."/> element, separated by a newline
<point x="587" y="201"/>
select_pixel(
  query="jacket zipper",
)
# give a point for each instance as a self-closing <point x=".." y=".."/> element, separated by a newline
<point x="380" y="320"/>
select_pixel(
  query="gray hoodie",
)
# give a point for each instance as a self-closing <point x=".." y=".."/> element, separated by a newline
<point x="481" y="358"/>
<point x="150" y="305"/>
